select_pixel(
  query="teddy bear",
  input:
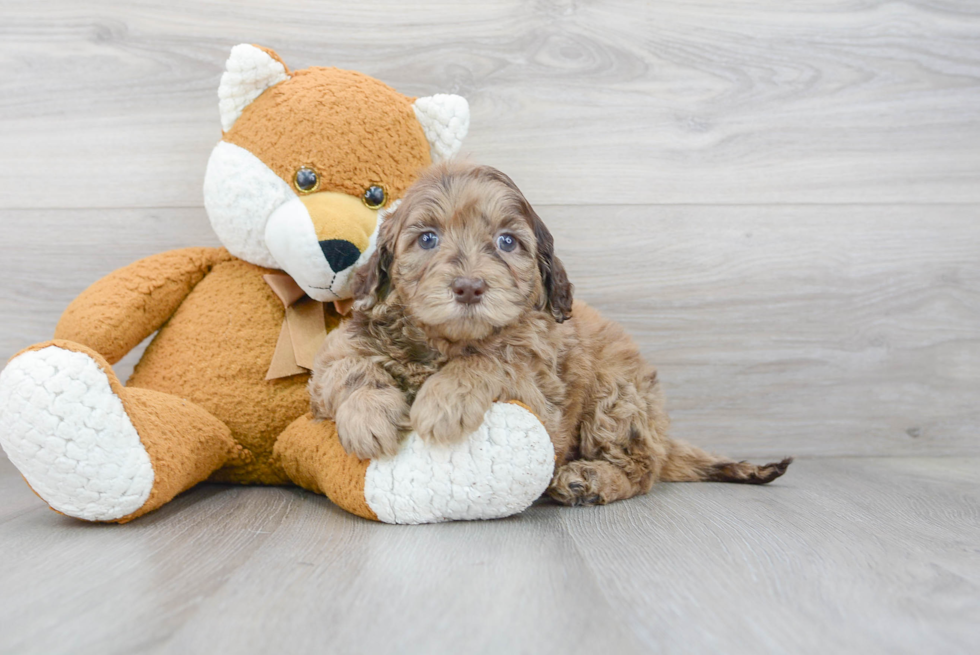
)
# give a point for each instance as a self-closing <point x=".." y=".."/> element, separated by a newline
<point x="309" y="164"/>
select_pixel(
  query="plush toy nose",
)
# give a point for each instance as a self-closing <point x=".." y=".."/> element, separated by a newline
<point x="340" y="254"/>
<point x="469" y="290"/>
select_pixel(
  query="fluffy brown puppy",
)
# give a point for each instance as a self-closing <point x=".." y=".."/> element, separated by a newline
<point x="464" y="303"/>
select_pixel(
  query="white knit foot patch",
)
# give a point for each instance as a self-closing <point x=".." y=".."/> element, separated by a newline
<point x="497" y="471"/>
<point x="67" y="432"/>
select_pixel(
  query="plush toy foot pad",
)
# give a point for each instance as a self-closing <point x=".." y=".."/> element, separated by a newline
<point x="497" y="471"/>
<point x="67" y="432"/>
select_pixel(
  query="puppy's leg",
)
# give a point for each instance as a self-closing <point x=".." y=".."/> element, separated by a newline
<point x="621" y="446"/>
<point x="590" y="482"/>
<point x="624" y="451"/>
<point x="361" y="397"/>
<point x="370" y="420"/>
<point x="451" y="403"/>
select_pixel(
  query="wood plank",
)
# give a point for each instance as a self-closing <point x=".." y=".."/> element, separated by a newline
<point x="313" y="579"/>
<point x="510" y="586"/>
<point x="821" y="330"/>
<point x="842" y="555"/>
<point x="87" y="588"/>
<point x="113" y="104"/>
<point x="16" y="497"/>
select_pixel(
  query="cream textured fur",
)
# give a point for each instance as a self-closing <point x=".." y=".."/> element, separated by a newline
<point x="445" y="119"/>
<point x="495" y="472"/>
<point x="248" y="73"/>
<point x="240" y="193"/>
<point x="68" y="434"/>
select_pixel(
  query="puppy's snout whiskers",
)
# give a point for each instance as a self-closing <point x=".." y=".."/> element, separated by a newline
<point x="469" y="290"/>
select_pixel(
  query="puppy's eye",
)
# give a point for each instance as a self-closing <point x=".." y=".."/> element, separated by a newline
<point x="507" y="242"/>
<point x="374" y="196"/>
<point x="428" y="240"/>
<point x="306" y="180"/>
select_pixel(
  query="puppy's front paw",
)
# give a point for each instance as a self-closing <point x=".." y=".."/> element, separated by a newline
<point x="369" y="422"/>
<point x="578" y="483"/>
<point x="442" y="413"/>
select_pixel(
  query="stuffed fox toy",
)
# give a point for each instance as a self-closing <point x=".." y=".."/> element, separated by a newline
<point x="309" y="163"/>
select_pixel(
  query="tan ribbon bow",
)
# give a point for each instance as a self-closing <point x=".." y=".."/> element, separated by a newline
<point x="303" y="329"/>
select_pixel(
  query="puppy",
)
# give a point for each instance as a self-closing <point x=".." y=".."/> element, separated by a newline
<point x="465" y="303"/>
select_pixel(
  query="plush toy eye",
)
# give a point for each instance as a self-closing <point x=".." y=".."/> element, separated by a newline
<point x="507" y="242"/>
<point x="306" y="179"/>
<point x="428" y="240"/>
<point x="374" y="196"/>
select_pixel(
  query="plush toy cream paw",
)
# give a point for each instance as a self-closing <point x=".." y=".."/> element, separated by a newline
<point x="69" y="434"/>
<point x="309" y="163"/>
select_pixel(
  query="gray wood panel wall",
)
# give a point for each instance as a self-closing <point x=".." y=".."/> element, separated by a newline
<point x="778" y="198"/>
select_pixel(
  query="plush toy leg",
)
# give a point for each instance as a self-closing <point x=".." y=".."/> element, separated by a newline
<point x="497" y="471"/>
<point x="310" y="453"/>
<point x="95" y="450"/>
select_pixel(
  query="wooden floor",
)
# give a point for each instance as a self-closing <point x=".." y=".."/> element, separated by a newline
<point x="860" y="555"/>
<point x="780" y="200"/>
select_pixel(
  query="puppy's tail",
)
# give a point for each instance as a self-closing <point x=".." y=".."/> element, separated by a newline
<point x="687" y="463"/>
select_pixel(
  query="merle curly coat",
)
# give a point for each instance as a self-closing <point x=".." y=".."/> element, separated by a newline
<point x="463" y="303"/>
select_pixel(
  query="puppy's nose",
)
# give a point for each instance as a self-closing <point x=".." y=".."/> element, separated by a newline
<point x="469" y="290"/>
<point x="340" y="254"/>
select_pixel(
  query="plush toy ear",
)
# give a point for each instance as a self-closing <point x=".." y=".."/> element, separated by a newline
<point x="250" y="70"/>
<point x="445" y="119"/>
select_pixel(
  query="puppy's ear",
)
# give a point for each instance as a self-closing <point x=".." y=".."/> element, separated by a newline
<point x="372" y="281"/>
<point x="557" y="288"/>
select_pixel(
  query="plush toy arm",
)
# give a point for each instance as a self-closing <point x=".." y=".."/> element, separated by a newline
<point x="116" y="313"/>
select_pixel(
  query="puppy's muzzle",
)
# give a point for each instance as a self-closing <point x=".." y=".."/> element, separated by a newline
<point x="468" y="290"/>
